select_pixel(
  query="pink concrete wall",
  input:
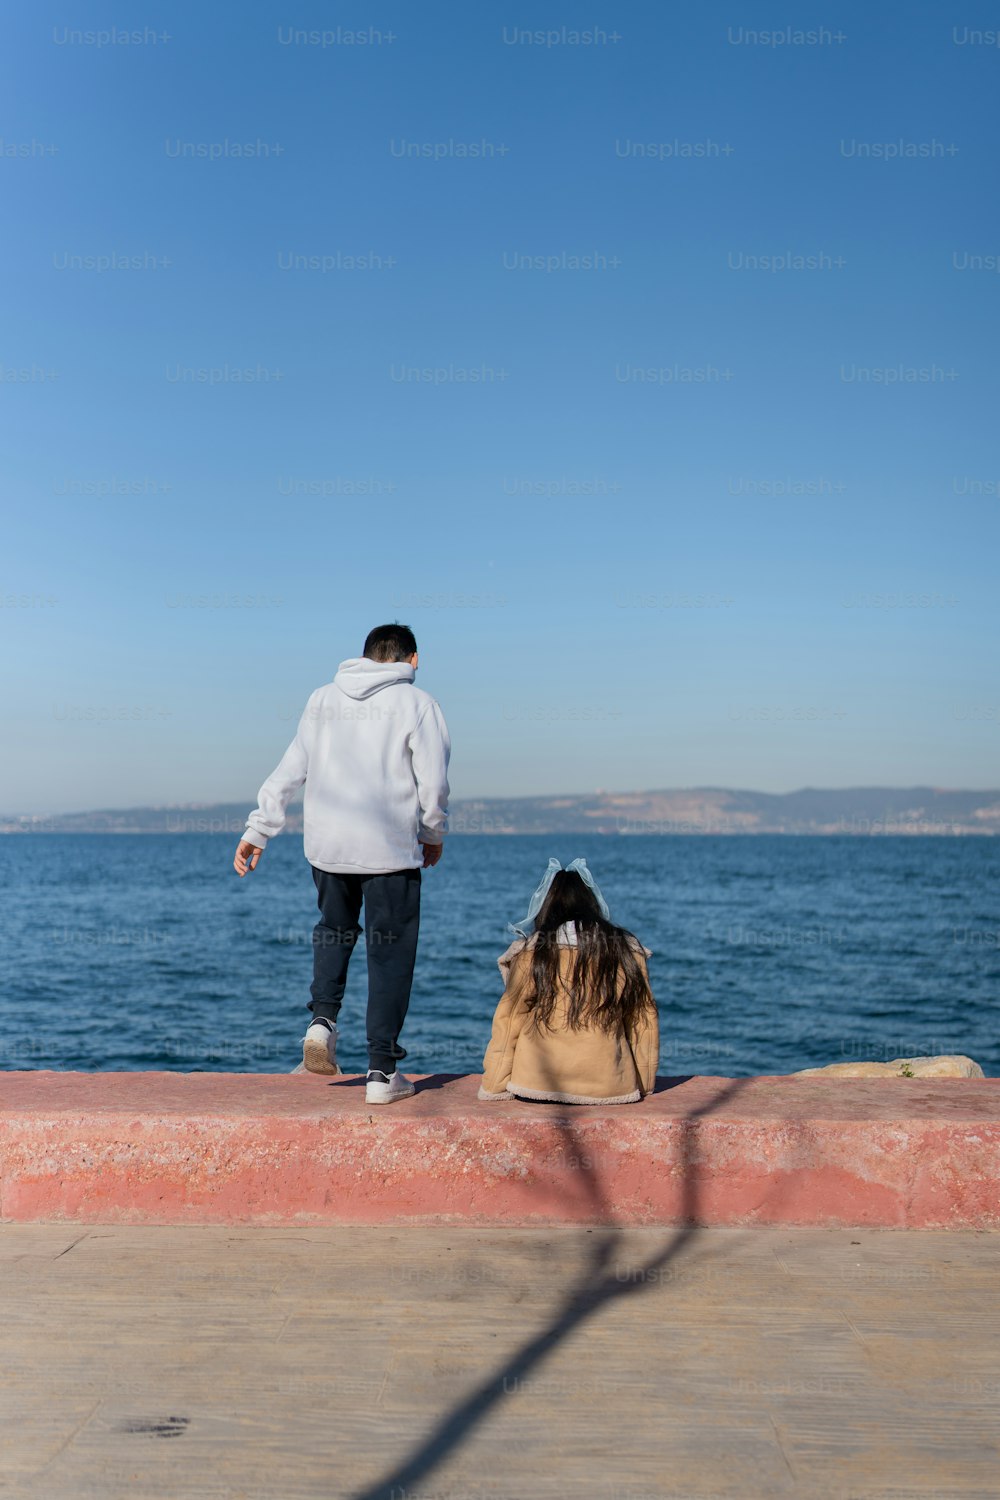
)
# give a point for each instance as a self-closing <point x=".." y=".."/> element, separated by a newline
<point x="210" y="1148"/>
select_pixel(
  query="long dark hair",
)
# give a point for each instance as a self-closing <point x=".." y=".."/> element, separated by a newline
<point x="607" y="987"/>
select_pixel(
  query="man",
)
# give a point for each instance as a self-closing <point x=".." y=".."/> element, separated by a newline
<point x="373" y="752"/>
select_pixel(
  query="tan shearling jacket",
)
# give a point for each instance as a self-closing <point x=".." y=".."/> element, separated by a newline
<point x="585" y="1066"/>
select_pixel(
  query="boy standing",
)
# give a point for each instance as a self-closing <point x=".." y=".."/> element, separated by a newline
<point x="373" y="750"/>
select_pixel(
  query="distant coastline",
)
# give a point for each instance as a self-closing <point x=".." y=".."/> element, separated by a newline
<point x="858" y="811"/>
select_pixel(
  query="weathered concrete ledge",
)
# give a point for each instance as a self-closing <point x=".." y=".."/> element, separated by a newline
<point x="211" y="1148"/>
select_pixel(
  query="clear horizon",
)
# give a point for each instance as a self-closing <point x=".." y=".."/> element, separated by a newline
<point x="249" y="802"/>
<point x="649" y="378"/>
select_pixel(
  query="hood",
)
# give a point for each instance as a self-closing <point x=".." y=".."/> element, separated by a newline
<point x="359" y="678"/>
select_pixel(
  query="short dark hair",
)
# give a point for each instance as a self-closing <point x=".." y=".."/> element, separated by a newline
<point x="393" y="642"/>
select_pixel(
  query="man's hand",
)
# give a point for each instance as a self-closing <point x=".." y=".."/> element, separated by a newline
<point x="432" y="853"/>
<point x="246" y="859"/>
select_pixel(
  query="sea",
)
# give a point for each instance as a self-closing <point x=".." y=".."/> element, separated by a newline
<point x="770" y="953"/>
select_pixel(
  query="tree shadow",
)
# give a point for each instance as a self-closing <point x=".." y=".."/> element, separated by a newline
<point x="600" y="1282"/>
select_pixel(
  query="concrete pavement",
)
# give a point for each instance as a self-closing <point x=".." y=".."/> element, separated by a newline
<point x="215" y="1363"/>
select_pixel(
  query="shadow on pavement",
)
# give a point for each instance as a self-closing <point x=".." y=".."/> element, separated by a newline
<point x="603" y="1280"/>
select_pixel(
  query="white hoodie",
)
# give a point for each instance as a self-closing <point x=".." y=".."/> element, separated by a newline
<point x="373" y="752"/>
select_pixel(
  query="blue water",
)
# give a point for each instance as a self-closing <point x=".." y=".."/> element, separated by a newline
<point x="769" y="954"/>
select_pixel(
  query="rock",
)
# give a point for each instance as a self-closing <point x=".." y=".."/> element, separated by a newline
<point x="900" y="1067"/>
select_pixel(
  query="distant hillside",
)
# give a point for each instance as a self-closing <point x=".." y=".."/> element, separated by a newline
<point x="700" y="810"/>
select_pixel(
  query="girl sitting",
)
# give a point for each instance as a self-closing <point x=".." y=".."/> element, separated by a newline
<point x="577" y="1022"/>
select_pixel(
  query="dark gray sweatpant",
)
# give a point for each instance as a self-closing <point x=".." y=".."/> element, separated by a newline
<point x="392" y="921"/>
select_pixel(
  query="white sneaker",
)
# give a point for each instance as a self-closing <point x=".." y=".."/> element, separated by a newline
<point x="382" y="1090"/>
<point x="319" y="1049"/>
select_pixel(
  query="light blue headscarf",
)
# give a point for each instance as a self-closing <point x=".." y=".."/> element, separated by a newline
<point x="526" y="926"/>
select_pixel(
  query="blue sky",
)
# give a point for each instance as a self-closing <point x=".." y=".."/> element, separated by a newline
<point x="668" y="518"/>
